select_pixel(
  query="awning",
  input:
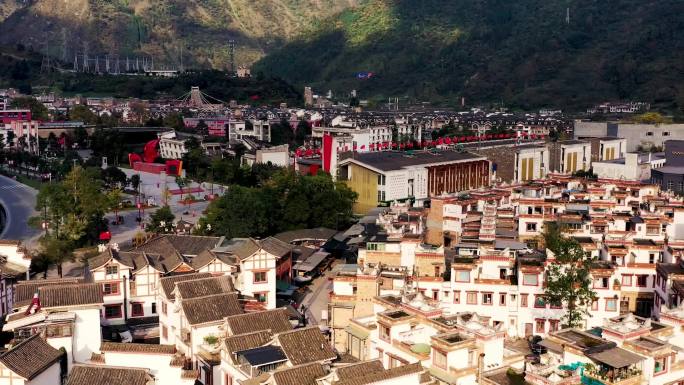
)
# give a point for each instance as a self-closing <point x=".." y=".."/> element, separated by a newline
<point x="553" y="346"/>
<point x="357" y="332"/>
<point x="312" y="262"/>
<point x="616" y="357"/>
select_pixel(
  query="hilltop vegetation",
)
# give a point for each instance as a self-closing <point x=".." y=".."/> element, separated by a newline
<point x="521" y="53"/>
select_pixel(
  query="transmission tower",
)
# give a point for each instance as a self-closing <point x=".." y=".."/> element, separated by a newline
<point x="75" y="62"/>
<point x="231" y="54"/>
<point x="86" y="64"/>
<point x="64" y="45"/>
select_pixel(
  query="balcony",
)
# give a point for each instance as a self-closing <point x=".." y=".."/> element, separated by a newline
<point x="609" y="376"/>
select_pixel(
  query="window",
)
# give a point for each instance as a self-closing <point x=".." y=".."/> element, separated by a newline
<point x="435" y="295"/>
<point x="137" y="310"/>
<point x="611" y="304"/>
<point x="601" y="283"/>
<point x="462" y="276"/>
<point x="486" y="298"/>
<point x="539" y="301"/>
<point x="553" y="325"/>
<point x="540" y="326"/>
<point x="437" y="271"/>
<point x="670" y="185"/>
<point x="261" y="297"/>
<point x="164" y="308"/>
<point x="502" y="299"/>
<point x="594" y="305"/>
<point x="439" y="359"/>
<point x="531" y="227"/>
<point x="112" y="270"/>
<point x="165" y="332"/>
<point x="457" y="297"/>
<point x="154" y="308"/>
<point x="259" y="276"/>
<point x="660" y="365"/>
<point x="472" y="298"/>
<point x="649" y="133"/>
<point x="530" y="279"/>
<point x="384" y="333"/>
<point x="228" y="380"/>
<point x="626" y="280"/>
<point x="110" y="288"/>
<point x="112" y="311"/>
<point x="375" y="246"/>
<point x="666" y="133"/>
<point x="642" y="280"/>
<point x="523" y="300"/>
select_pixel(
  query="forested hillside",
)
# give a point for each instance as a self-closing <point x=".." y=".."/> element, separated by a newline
<point x="525" y="53"/>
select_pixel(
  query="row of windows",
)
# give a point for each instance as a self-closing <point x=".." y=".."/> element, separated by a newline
<point x="137" y="310"/>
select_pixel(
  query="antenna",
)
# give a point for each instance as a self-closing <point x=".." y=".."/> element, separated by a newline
<point x="231" y="54"/>
<point x="567" y="16"/>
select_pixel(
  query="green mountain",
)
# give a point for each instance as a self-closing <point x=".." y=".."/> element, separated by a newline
<point x="197" y="30"/>
<point x="524" y="53"/>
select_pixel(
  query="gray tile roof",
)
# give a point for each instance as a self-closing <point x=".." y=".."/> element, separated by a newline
<point x="31" y="357"/>
<point x="205" y="286"/>
<point x="359" y="369"/>
<point x="211" y="308"/>
<point x="24" y="291"/>
<point x="275" y="320"/>
<point x="299" y="375"/>
<point x="71" y="295"/>
<point x="303" y="346"/>
<point x="247" y="341"/>
<point x="168" y="284"/>
<point x="275" y="247"/>
<point x="107" y="375"/>
<point x="137" y="348"/>
<point x="384" y="375"/>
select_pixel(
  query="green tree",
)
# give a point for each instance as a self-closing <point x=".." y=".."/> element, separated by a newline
<point x="134" y="181"/>
<point x="161" y="221"/>
<point x="174" y="120"/>
<point x="81" y="113"/>
<point x="38" y="109"/>
<point x="569" y="278"/>
<point x="241" y="212"/>
<point x="113" y="177"/>
<point x="55" y="251"/>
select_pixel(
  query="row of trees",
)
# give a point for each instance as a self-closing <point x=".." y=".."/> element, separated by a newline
<point x="285" y="202"/>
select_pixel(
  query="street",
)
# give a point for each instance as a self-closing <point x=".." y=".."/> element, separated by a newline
<point x="19" y="202"/>
<point x="317" y="300"/>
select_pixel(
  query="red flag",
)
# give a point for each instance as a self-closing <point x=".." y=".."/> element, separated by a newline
<point x="394" y="145"/>
<point x="440" y="141"/>
<point x="372" y="146"/>
<point x="318" y="151"/>
<point x="308" y="152"/>
<point x="298" y="153"/>
<point x="447" y="140"/>
<point x="35" y="304"/>
<point x="410" y="145"/>
<point x="402" y="146"/>
<point x="363" y="146"/>
<point x="254" y="97"/>
<point x="354" y="147"/>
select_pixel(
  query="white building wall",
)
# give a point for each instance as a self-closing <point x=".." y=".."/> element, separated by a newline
<point x="87" y="334"/>
<point x="51" y="376"/>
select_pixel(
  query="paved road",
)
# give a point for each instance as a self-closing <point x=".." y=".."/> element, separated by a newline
<point x="19" y="201"/>
<point x="317" y="300"/>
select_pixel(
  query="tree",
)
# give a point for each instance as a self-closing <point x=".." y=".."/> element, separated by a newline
<point x="83" y="114"/>
<point x="569" y="278"/>
<point x="161" y="221"/>
<point x="242" y="212"/>
<point x="56" y="251"/>
<point x="38" y="109"/>
<point x="113" y="177"/>
<point x="134" y="181"/>
<point x="651" y="118"/>
<point x="174" y="120"/>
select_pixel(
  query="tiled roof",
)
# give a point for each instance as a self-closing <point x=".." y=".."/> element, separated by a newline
<point x="275" y="320"/>
<point x="211" y="308"/>
<point x="71" y="295"/>
<point x="31" y="357"/>
<point x="299" y="375"/>
<point x="383" y="375"/>
<point x="306" y="345"/>
<point x="161" y="254"/>
<point x="137" y="348"/>
<point x="275" y="246"/>
<point x="168" y="284"/>
<point x="359" y="369"/>
<point x="107" y="375"/>
<point x="319" y="233"/>
<point x="247" y="341"/>
<point x="192" y="244"/>
<point x="100" y="259"/>
<point x="202" y="259"/>
<point x="204" y="287"/>
<point x="241" y="248"/>
<point x="24" y="291"/>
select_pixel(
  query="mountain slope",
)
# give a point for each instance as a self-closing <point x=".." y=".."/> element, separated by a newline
<point x="163" y="28"/>
<point x="522" y="53"/>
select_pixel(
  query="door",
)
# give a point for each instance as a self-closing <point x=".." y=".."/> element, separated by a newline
<point x="528" y="330"/>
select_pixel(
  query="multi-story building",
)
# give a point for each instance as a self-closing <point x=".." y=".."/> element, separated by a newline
<point x="383" y="177"/>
